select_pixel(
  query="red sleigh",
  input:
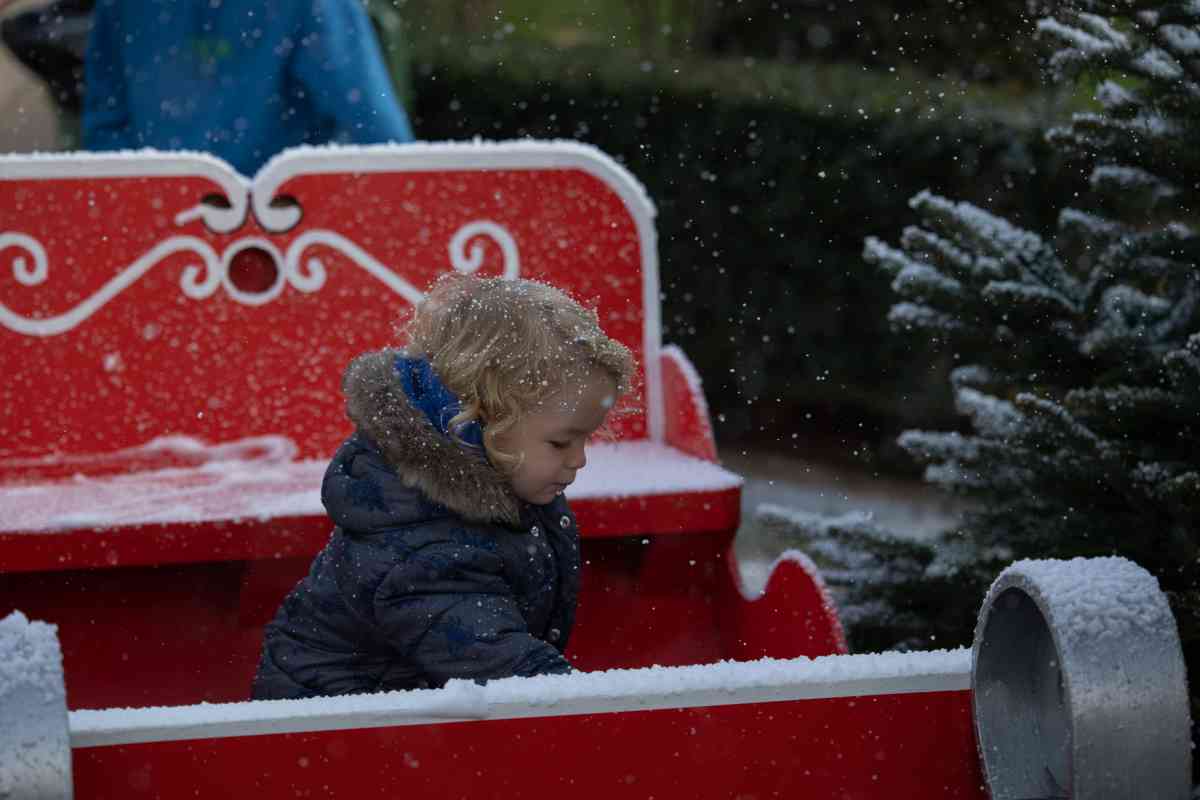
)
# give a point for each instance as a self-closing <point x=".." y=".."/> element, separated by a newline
<point x="172" y="336"/>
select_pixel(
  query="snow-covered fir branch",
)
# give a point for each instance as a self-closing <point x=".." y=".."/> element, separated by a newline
<point x="1124" y="320"/>
<point x="953" y="260"/>
<point x="1116" y="98"/>
<point x="968" y="464"/>
<point x="991" y="416"/>
<point x="1182" y="490"/>
<point x="975" y="376"/>
<point x="923" y="283"/>
<point x="1089" y="226"/>
<point x="1157" y="64"/>
<point x="972" y="479"/>
<point x="912" y="316"/>
<point x="1175" y="68"/>
<point x="1183" y="41"/>
<point x="1167" y="252"/>
<point x="1121" y="401"/>
<point x="1127" y="141"/>
<point x="1043" y="409"/>
<point x="1020" y="254"/>
<point x="1186" y="12"/>
<point x="1182" y="317"/>
<point x="1033" y="299"/>
<point x="1133" y="180"/>
<point x="1183" y="366"/>
<point x="1100" y="38"/>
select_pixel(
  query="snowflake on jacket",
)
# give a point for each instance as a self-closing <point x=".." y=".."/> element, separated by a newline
<point x="435" y="569"/>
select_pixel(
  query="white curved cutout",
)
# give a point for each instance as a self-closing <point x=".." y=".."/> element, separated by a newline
<point x="468" y="262"/>
<point x="215" y="218"/>
<point x="275" y="219"/>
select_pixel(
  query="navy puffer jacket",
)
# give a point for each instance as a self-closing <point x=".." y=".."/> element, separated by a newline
<point x="434" y="570"/>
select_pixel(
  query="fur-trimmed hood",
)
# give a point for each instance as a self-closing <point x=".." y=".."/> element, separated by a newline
<point x="424" y="458"/>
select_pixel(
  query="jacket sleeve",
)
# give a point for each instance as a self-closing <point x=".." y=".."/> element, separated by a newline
<point x="448" y="610"/>
<point x="105" y="122"/>
<point x="342" y="68"/>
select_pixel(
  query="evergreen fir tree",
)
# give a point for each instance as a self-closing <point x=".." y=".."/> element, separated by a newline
<point x="1081" y="376"/>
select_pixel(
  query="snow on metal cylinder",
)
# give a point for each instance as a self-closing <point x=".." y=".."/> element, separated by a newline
<point x="1079" y="685"/>
<point x="35" y="748"/>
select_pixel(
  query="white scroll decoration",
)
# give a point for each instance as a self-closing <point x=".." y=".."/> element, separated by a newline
<point x="21" y="269"/>
<point x="218" y="219"/>
<point x="191" y="283"/>
<point x="200" y="282"/>
<point x="312" y="276"/>
<point x="468" y="262"/>
<point x="315" y="278"/>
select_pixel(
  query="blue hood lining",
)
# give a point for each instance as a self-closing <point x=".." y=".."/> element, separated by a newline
<point x="426" y="392"/>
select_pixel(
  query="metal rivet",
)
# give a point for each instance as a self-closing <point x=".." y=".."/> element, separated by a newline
<point x="564" y="521"/>
<point x="535" y="530"/>
<point x="554" y="634"/>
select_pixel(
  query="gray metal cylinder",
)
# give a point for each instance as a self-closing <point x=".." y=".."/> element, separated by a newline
<point x="1079" y="685"/>
<point x="35" y="744"/>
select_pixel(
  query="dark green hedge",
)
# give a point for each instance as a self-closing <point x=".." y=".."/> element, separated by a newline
<point x="767" y="180"/>
<point x="932" y="34"/>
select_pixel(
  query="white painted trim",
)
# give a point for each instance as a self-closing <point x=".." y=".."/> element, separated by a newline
<point x="315" y="278"/>
<point x="138" y="164"/>
<point x="722" y="684"/>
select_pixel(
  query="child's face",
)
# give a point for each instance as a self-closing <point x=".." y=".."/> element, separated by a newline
<point x="551" y="437"/>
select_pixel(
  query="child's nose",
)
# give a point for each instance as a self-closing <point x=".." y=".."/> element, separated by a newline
<point x="577" y="458"/>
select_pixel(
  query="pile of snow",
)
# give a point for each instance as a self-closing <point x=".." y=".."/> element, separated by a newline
<point x="1097" y="600"/>
<point x="35" y="756"/>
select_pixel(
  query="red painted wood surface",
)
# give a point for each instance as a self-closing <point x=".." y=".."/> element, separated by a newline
<point x="688" y="426"/>
<point x="251" y="539"/>
<point x="792" y="616"/>
<point x="873" y="747"/>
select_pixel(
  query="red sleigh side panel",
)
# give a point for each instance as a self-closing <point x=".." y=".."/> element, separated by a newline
<point x="870" y="727"/>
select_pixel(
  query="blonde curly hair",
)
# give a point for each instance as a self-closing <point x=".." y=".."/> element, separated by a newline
<point x="504" y="346"/>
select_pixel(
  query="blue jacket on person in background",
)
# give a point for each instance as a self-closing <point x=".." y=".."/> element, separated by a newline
<point x="435" y="569"/>
<point x="241" y="79"/>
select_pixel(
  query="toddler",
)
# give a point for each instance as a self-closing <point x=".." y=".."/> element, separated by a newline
<point x="454" y="554"/>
